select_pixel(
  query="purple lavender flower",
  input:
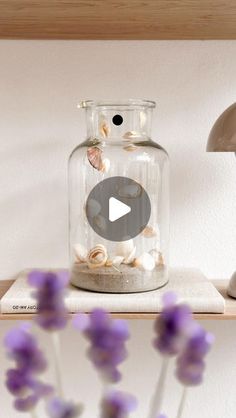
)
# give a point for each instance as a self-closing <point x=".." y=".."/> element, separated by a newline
<point x="52" y="313"/>
<point x="191" y="364"/>
<point x="22" y="348"/>
<point x="57" y="408"/>
<point x="107" y="337"/>
<point x="172" y="326"/>
<point x="161" y="416"/>
<point x="117" y="404"/>
<point x="22" y="382"/>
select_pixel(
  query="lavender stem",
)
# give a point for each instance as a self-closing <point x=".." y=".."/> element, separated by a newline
<point x="157" y="400"/>
<point x="57" y="361"/>
<point x="33" y="414"/>
<point x="182" y="402"/>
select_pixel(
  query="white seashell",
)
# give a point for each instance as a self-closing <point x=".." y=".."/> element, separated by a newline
<point x="108" y="263"/>
<point x="124" y="248"/>
<point x="100" y="221"/>
<point x="149" y="232"/>
<point x="145" y="262"/>
<point x="105" y="165"/>
<point x="97" y="256"/>
<point x="117" y="260"/>
<point x="130" y="191"/>
<point x="130" y="258"/>
<point x="157" y="255"/>
<point x="103" y="126"/>
<point x="80" y="253"/>
<point x="131" y="134"/>
<point x="130" y="147"/>
<point x="93" y="208"/>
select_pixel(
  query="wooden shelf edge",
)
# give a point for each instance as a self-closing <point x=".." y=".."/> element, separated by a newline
<point x="221" y="286"/>
<point x="117" y="19"/>
<point x="128" y="316"/>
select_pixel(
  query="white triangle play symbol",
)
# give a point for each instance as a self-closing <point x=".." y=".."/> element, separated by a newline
<point x="117" y="209"/>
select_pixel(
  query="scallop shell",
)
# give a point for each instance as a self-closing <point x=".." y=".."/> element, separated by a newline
<point x="94" y="155"/>
<point x="130" y="147"/>
<point x="149" y="232"/>
<point x="145" y="262"/>
<point x="97" y="256"/>
<point x="124" y="248"/>
<point x="80" y="253"/>
<point x="130" y="258"/>
<point x="117" y="260"/>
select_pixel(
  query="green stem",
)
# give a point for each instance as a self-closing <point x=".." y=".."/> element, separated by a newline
<point x="157" y="400"/>
<point x="57" y="362"/>
<point x="182" y="402"/>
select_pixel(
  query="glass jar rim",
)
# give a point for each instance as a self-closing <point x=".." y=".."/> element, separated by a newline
<point x="126" y="103"/>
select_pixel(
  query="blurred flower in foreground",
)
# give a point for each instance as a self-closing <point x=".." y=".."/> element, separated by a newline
<point x="52" y="314"/>
<point x="191" y="364"/>
<point x="161" y="416"/>
<point x="107" y="337"/>
<point x="57" y="408"/>
<point x="172" y="326"/>
<point x="22" y="381"/>
<point x="117" y="404"/>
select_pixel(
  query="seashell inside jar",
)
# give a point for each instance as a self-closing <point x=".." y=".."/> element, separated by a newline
<point x="97" y="257"/>
<point x="118" y="184"/>
<point x="124" y="271"/>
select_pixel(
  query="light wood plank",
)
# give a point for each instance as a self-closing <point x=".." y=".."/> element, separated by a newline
<point x="221" y="285"/>
<point x="118" y="19"/>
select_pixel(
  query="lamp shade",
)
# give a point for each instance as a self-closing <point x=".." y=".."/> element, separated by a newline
<point x="222" y="137"/>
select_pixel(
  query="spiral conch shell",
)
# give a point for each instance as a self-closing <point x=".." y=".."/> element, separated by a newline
<point x="97" y="256"/>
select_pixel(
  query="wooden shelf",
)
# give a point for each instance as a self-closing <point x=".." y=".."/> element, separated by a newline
<point x="118" y="19"/>
<point x="221" y="285"/>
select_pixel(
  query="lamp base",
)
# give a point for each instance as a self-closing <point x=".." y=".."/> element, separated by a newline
<point x="232" y="286"/>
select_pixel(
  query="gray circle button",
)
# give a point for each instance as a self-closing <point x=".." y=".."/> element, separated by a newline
<point x="118" y="208"/>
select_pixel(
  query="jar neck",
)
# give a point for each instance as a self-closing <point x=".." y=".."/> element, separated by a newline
<point x="116" y="122"/>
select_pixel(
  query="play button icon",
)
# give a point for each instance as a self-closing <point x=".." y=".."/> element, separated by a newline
<point x="118" y="208"/>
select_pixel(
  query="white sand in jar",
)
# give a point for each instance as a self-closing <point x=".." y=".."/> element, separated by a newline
<point x="127" y="280"/>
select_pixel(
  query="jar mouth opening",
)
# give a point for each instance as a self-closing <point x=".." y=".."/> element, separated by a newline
<point x="121" y="104"/>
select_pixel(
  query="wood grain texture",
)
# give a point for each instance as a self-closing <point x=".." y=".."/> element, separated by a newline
<point x="221" y="286"/>
<point x="113" y="19"/>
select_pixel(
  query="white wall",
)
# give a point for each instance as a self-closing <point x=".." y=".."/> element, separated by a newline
<point x="192" y="82"/>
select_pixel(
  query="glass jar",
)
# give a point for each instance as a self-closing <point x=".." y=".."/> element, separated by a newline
<point x="119" y="201"/>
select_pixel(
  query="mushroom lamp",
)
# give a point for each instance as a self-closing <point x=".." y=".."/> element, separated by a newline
<point x="222" y="138"/>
